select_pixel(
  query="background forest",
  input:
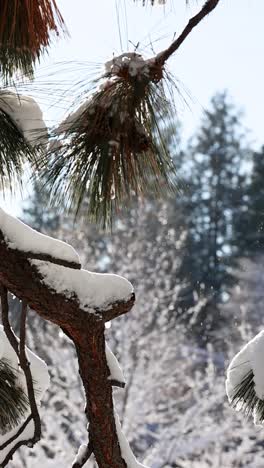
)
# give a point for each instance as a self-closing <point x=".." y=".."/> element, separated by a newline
<point x="196" y="262"/>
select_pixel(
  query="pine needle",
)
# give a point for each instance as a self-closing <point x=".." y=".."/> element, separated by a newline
<point x="26" y="28"/>
<point x="246" y="399"/>
<point x="13" y="400"/>
<point x="14" y="152"/>
<point x="112" y="150"/>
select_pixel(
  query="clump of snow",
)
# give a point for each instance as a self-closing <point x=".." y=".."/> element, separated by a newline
<point x="41" y="380"/>
<point x="135" y="64"/>
<point x="116" y="372"/>
<point x="250" y="358"/>
<point x="26" y="115"/>
<point x="80" y="457"/>
<point x="126" y="451"/>
<point x="21" y="237"/>
<point x="92" y="290"/>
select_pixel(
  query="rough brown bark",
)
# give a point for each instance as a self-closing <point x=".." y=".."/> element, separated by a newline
<point x="86" y="330"/>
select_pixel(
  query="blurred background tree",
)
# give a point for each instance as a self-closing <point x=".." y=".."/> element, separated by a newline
<point x="174" y="348"/>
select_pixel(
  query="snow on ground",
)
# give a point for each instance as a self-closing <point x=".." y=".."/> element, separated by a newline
<point x="21" y="237"/>
<point x="26" y="115"/>
<point x="92" y="290"/>
<point x="41" y="380"/>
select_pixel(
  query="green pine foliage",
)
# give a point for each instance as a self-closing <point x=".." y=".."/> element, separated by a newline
<point x="250" y="222"/>
<point x="14" y="152"/>
<point x="246" y="399"/>
<point x="13" y="400"/>
<point x="114" y="151"/>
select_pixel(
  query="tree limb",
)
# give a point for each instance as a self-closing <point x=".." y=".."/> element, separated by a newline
<point x="86" y="330"/>
<point x="21" y="354"/>
<point x="209" y="6"/>
<point x="25" y="366"/>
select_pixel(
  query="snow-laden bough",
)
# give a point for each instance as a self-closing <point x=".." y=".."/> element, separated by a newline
<point x="111" y="149"/>
<point x="245" y="379"/>
<point x="23" y="134"/>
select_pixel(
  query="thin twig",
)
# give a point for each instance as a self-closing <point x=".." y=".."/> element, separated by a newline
<point x="20" y="351"/>
<point x="17" y="434"/>
<point x="25" y="365"/>
<point x="117" y="383"/>
<point x="194" y="21"/>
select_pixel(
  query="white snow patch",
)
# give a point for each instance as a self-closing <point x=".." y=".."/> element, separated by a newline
<point x="41" y="380"/>
<point x="21" y="237"/>
<point x="26" y="115"/>
<point x="126" y="451"/>
<point x="80" y="457"/>
<point x="135" y="63"/>
<point x="116" y="372"/>
<point x="249" y="358"/>
<point x="92" y="290"/>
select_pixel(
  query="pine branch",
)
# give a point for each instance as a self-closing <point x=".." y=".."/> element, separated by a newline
<point x="86" y="330"/>
<point x="207" y="8"/>
<point x="19" y="348"/>
<point x="26" y="30"/>
<point x="14" y="152"/>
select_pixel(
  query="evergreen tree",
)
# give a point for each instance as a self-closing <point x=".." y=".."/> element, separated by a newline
<point x="38" y="213"/>
<point x="215" y="180"/>
<point x="250" y="223"/>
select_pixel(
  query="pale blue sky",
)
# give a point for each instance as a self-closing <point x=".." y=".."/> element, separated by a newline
<point x="225" y="51"/>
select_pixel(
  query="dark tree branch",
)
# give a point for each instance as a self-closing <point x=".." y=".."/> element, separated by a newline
<point x="117" y="309"/>
<point x="49" y="258"/>
<point x="21" y="354"/>
<point x="18" y="444"/>
<point x="86" y="330"/>
<point x="209" y="6"/>
<point x="17" y="434"/>
<point x="25" y="366"/>
<point x="116" y="383"/>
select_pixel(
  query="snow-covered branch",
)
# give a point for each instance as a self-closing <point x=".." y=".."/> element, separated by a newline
<point x="80" y="302"/>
